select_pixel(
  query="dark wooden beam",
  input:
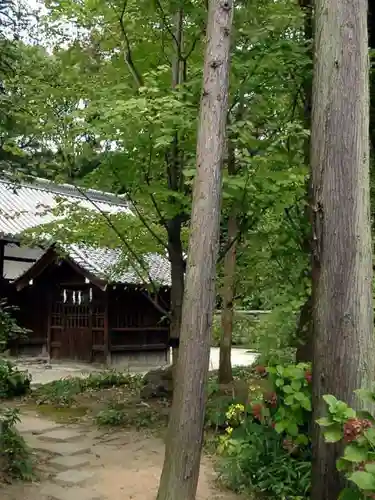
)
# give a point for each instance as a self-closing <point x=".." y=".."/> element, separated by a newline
<point x="2" y="245"/>
<point x="19" y="259"/>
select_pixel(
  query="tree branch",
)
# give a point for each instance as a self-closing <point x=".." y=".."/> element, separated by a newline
<point x="128" y="58"/>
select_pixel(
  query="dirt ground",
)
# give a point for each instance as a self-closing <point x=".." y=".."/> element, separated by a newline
<point x="125" y="465"/>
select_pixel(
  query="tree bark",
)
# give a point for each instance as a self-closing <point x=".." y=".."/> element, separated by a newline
<point x="343" y="353"/>
<point x="174" y="168"/>
<point x="305" y="329"/>
<point x="180" y="474"/>
<point x="228" y="294"/>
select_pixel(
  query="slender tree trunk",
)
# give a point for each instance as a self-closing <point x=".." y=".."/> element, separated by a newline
<point x="228" y="293"/>
<point x="180" y="474"/>
<point x="343" y="354"/>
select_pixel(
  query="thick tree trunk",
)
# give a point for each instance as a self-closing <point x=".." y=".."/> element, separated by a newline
<point x="180" y="474"/>
<point x="343" y="355"/>
<point x="228" y="293"/>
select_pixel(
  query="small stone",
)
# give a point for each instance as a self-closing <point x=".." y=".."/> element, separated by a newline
<point x="70" y="462"/>
<point x="60" y="436"/>
<point x="73" y="477"/>
<point x="57" y="492"/>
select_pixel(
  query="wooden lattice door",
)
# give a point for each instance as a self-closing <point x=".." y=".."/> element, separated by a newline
<point x="73" y="320"/>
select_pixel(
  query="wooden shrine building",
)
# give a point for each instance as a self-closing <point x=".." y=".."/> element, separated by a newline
<point x="74" y="301"/>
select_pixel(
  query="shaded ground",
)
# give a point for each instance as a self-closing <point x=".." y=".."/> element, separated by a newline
<point x="98" y="465"/>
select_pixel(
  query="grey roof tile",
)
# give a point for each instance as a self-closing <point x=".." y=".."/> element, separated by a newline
<point x="24" y="206"/>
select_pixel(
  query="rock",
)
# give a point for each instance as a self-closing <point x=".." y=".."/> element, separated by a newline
<point x="158" y="383"/>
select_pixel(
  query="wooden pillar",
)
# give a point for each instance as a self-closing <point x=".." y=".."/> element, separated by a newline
<point x="50" y="299"/>
<point x="2" y="247"/>
<point x="107" y="340"/>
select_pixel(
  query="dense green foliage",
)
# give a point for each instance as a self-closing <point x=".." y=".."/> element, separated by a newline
<point x="15" y="458"/>
<point x="356" y="430"/>
<point x="266" y="445"/>
<point x="13" y="382"/>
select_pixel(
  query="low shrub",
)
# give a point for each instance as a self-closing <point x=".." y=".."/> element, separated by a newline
<point x="15" y="457"/>
<point x="256" y="459"/>
<point x="266" y="446"/>
<point x="13" y="382"/>
<point x="356" y="430"/>
<point x="9" y="329"/>
<point x="141" y="416"/>
<point x="62" y="392"/>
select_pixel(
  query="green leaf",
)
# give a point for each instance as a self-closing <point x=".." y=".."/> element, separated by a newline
<point x="364" y="480"/>
<point x="279" y="382"/>
<point x="289" y="400"/>
<point x="280" y="427"/>
<point x="325" y="422"/>
<point x="370" y="467"/>
<point x="330" y="400"/>
<point x="348" y="494"/>
<point x="370" y="436"/>
<point x="354" y="453"/>
<point x="296" y="385"/>
<point x="292" y="429"/>
<point x="288" y="389"/>
<point x="342" y="465"/>
<point x="333" y="434"/>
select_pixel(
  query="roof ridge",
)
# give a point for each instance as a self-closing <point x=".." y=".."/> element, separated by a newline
<point x="38" y="183"/>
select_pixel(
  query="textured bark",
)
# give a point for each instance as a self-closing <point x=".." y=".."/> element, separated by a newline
<point x="228" y="294"/>
<point x="305" y="329"/>
<point x="343" y="354"/>
<point x="305" y="333"/>
<point x="174" y="167"/>
<point x="180" y="474"/>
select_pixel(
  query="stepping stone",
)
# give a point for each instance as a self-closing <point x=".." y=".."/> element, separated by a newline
<point x="56" y="492"/>
<point x="73" y="477"/>
<point x="60" y="448"/>
<point x="60" y="436"/>
<point x="33" y="425"/>
<point x="70" y="462"/>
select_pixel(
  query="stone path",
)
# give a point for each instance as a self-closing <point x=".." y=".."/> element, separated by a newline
<point x="68" y="459"/>
<point x="82" y="463"/>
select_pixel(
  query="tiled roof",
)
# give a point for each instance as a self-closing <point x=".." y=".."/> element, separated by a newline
<point x="24" y="206"/>
<point x="106" y="263"/>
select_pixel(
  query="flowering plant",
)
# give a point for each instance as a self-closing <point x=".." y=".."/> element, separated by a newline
<point x="357" y="431"/>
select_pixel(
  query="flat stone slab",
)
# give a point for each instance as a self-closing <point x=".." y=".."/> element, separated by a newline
<point x="57" y="492"/>
<point x="68" y="462"/>
<point x="73" y="477"/>
<point x="60" y="436"/>
<point x="34" y="425"/>
<point x="59" y="448"/>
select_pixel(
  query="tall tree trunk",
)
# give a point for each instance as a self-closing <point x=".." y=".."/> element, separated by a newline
<point x="305" y="328"/>
<point x="174" y="166"/>
<point x="180" y="474"/>
<point x="177" y="280"/>
<point x="343" y="354"/>
<point x="228" y="293"/>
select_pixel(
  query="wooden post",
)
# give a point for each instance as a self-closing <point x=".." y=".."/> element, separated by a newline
<point x="2" y="246"/>
<point x="49" y="319"/>
<point x="107" y="350"/>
